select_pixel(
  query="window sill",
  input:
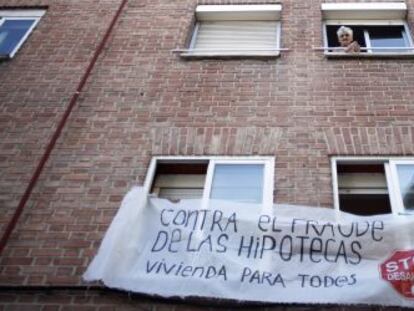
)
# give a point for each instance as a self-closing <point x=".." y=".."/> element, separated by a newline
<point x="368" y="55"/>
<point x="227" y="55"/>
<point x="406" y="214"/>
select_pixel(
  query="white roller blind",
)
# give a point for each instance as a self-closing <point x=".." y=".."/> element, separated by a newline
<point x="180" y="193"/>
<point x="362" y="183"/>
<point x="235" y="36"/>
<point x="179" y="186"/>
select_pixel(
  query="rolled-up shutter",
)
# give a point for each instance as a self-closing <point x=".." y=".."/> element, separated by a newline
<point x="175" y="194"/>
<point x="231" y="37"/>
<point x="179" y="186"/>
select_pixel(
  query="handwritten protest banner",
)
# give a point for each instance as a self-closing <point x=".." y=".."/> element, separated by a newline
<point x="288" y="254"/>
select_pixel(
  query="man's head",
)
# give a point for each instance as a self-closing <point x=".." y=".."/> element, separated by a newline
<point x="345" y="35"/>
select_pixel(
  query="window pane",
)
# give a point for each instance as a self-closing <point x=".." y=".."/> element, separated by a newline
<point x="238" y="182"/>
<point x="387" y="36"/>
<point x="11" y="32"/>
<point x="406" y="179"/>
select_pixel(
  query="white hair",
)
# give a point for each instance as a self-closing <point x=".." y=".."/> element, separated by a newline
<point x="344" y="29"/>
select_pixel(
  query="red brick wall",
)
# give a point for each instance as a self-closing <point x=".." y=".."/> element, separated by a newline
<point x="142" y="100"/>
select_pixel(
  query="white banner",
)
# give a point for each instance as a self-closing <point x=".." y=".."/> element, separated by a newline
<point x="290" y="254"/>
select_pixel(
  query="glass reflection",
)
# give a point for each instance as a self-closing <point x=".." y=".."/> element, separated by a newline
<point x="387" y="37"/>
<point x="406" y="179"/>
<point x="238" y="182"/>
<point x="11" y="32"/>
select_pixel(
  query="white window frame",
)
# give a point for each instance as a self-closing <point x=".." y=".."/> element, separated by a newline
<point x="369" y="14"/>
<point x="268" y="182"/>
<point x="391" y="176"/>
<point x="35" y="15"/>
<point x="395" y="180"/>
<point x="370" y="52"/>
<point x="247" y="12"/>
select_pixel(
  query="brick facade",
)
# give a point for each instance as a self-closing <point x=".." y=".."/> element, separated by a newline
<point x="143" y="100"/>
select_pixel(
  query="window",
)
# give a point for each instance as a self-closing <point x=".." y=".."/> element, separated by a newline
<point x="15" y="27"/>
<point x="403" y="177"/>
<point x="378" y="28"/>
<point x="236" y="30"/>
<point x="179" y="180"/>
<point x="244" y="180"/>
<point x="371" y="186"/>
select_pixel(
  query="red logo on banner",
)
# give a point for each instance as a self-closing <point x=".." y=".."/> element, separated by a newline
<point x="399" y="271"/>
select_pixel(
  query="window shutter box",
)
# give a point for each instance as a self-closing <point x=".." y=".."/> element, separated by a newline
<point x="364" y="11"/>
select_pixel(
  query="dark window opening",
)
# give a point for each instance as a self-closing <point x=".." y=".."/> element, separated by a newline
<point x="372" y="36"/>
<point x="358" y="32"/>
<point x="176" y="181"/>
<point x="363" y="189"/>
<point x="181" y="168"/>
<point x="365" y="204"/>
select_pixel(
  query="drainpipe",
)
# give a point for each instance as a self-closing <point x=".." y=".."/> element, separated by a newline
<point x="35" y="177"/>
